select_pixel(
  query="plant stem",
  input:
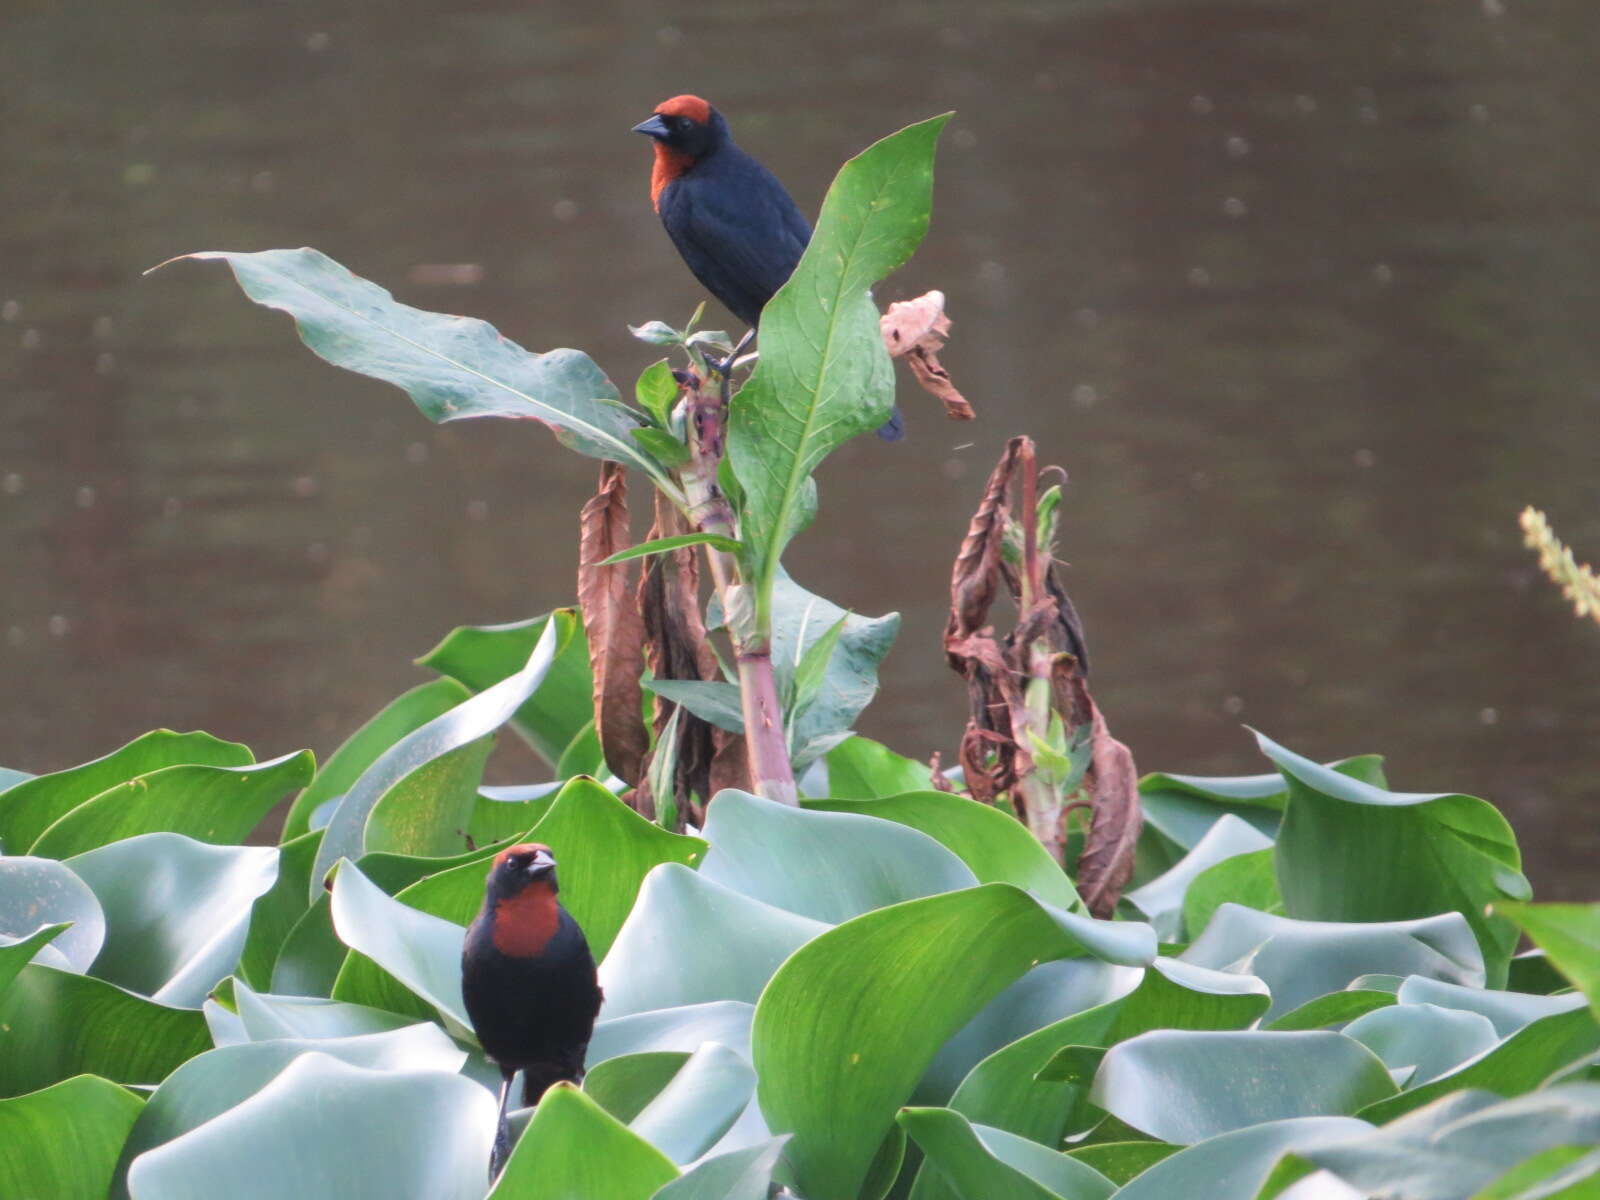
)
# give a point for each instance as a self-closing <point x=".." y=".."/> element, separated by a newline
<point x="767" y="749"/>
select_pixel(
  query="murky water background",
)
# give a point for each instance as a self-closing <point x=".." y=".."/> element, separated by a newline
<point x="1303" y="295"/>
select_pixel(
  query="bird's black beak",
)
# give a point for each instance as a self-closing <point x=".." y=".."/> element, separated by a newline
<point x="655" y="127"/>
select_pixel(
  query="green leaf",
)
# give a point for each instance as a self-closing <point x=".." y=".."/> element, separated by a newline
<point x="709" y="699"/>
<point x="997" y="846"/>
<point x="481" y="656"/>
<point x="849" y="1023"/>
<point x="1335" y="1008"/>
<point x="583" y="755"/>
<point x="29" y="808"/>
<point x="428" y="812"/>
<point x="574" y="1148"/>
<point x="1350" y="851"/>
<point x="657" y="333"/>
<point x="210" y="1084"/>
<point x="311" y="1132"/>
<point x="220" y="805"/>
<point x="1569" y="934"/>
<point x="452" y="367"/>
<point x="823" y="865"/>
<point x="1424" y="1038"/>
<point x="40" y="891"/>
<point x="62" y="1141"/>
<point x="657" y="391"/>
<point x="662" y="545"/>
<point x="1507" y="1011"/>
<point x="1164" y="899"/>
<point x="663" y="447"/>
<point x="1235" y="1164"/>
<point x="862" y="769"/>
<point x="503" y="812"/>
<point x="404" y="714"/>
<point x="346" y="834"/>
<point x="980" y="1163"/>
<point x="1179" y="809"/>
<point x="1185" y="1086"/>
<point x="738" y="1175"/>
<point x="812" y="666"/>
<point x="689" y="940"/>
<point x="672" y="1030"/>
<point x="1249" y="879"/>
<point x="19" y="952"/>
<point x="1123" y="1161"/>
<point x="177" y="911"/>
<point x="59" y="1024"/>
<point x="264" y="1017"/>
<point x="310" y="958"/>
<point x="700" y="1103"/>
<point x="623" y="1085"/>
<point x="824" y="375"/>
<point x="275" y="912"/>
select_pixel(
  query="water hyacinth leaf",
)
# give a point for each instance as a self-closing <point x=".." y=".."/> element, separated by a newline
<point x="1301" y="960"/>
<point x="1351" y="851"/>
<point x="453" y="368"/>
<point x="309" y="960"/>
<point x="1121" y="1162"/>
<point x="1569" y="934"/>
<point x="1507" y="1011"/>
<point x="1179" y="809"/>
<point x="1163" y="899"/>
<point x="862" y="769"/>
<point x="572" y="1147"/>
<point x="979" y="1163"/>
<point x="481" y="656"/>
<point x="420" y="950"/>
<point x="41" y="891"/>
<point x="59" y="1024"/>
<point x="504" y="812"/>
<point x="264" y="1017"/>
<point x="625" y="1084"/>
<point x="824" y="375"/>
<point x="1565" y="1171"/>
<point x="427" y="813"/>
<point x="737" y="1175"/>
<point x="1187" y="1086"/>
<point x="177" y="911"/>
<point x="212" y="1083"/>
<point x="31" y="807"/>
<point x="310" y="1132"/>
<point x="276" y="911"/>
<point x="402" y="715"/>
<point x="824" y="865"/>
<point x="210" y="804"/>
<point x="467" y="722"/>
<point x="996" y="846"/>
<point x="16" y="953"/>
<point x="1335" y="1008"/>
<point x="690" y="940"/>
<point x="1430" y="1039"/>
<point x="851" y="1021"/>
<point x="9" y="778"/>
<point x="62" y="1141"/>
<point x="1248" y="879"/>
<point x="1237" y="1164"/>
<point x="698" y="1105"/>
<point x="673" y="1030"/>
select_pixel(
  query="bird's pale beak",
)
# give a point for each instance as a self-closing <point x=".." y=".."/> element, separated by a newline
<point x="543" y="863"/>
<point x="655" y="127"/>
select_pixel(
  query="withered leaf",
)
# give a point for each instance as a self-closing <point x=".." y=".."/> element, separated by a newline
<point x="916" y="330"/>
<point x="614" y="626"/>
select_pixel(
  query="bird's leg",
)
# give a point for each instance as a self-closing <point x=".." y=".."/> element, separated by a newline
<point x="725" y="367"/>
<point x="502" y="1131"/>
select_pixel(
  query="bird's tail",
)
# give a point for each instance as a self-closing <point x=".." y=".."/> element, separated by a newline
<point x="538" y="1077"/>
<point x="894" y="428"/>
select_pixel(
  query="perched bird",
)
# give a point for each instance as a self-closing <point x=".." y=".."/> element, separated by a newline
<point x="529" y="981"/>
<point x="731" y="220"/>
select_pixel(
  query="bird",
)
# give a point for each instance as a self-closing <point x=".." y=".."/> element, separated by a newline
<point x="529" y="982"/>
<point x="735" y="226"/>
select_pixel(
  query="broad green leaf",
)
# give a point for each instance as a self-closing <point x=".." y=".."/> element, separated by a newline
<point x="210" y="1084"/>
<point x="573" y="1148"/>
<point x="29" y="808"/>
<point x="862" y="769"/>
<point x="625" y="1084"/>
<point x="1162" y="900"/>
<point x="689" y="940"/>
<point x="311" y="1132"/>
<point x="41" y="891"/>
<point x="452" y="367"/>
<point x="402" y="715"/>
<point x="177" y="911"/>
<point x="1572" y="1172"/>
<point x="738" y="1175"/>
<point x="1569" y="934"/>
<point x="1518" y="1064"/>
<point x="663" y="447"/>
<point x="823" y="865"/>
<point x="849" y="1023"/>
<point x="16" y="953"/>
<point x="995" y="845"/>
<point x="657" y="333"/>
<point x="1429" y="1039"/>
<point x="481" y="656"/>
<point x="1301" y="960"/>
<point x="677" y="542"/>
<point x="503" y="812"/>
<point x="711" y="700"/>
<point x="980" y="1163"/>
<point x="1335" y="1008"/>
<point x="657" y="391"/>
<point x="1248" y="879"/>
<point x="310" y="958"/>
<point x="813" y="663"/>
<point x="346" y="834"/>
<point x="700" y="1103"/>
<point x="220" y="805"/>
<point x="264" y="1017"/>
<point x="673" y="1030"/>
<point x="1179" y="809"/>
<point x="1186" y="1086"/>
<point x="1123" y="1161"/>
<point x="62" y="1141"/>
<point x="9" y="778"/>
<point x="1507" y="1011"/>
<point x="427" y="814"/>
<point x="58" y="1024"/>
<point x="1350" y="851"/>
<point x="1235" y="1164"/>
<point x="275" y="912"/>
<point x="824" y="375"/>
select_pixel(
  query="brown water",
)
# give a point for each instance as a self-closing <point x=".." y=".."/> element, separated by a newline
<point x="1302" y="294"/>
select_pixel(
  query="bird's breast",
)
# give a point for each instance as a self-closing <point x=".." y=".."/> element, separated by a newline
<point x="525" y="923"/>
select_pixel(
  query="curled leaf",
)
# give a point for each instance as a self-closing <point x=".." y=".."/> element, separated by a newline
<point x="614" y="625"/>
<point x="916" y="330"/>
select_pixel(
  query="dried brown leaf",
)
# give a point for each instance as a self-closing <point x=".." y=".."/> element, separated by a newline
<point x="1106" y="863"/>
<point x="974" y="578"/>
<point x="614" y="626"/>
<point x="917" y="330"/>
